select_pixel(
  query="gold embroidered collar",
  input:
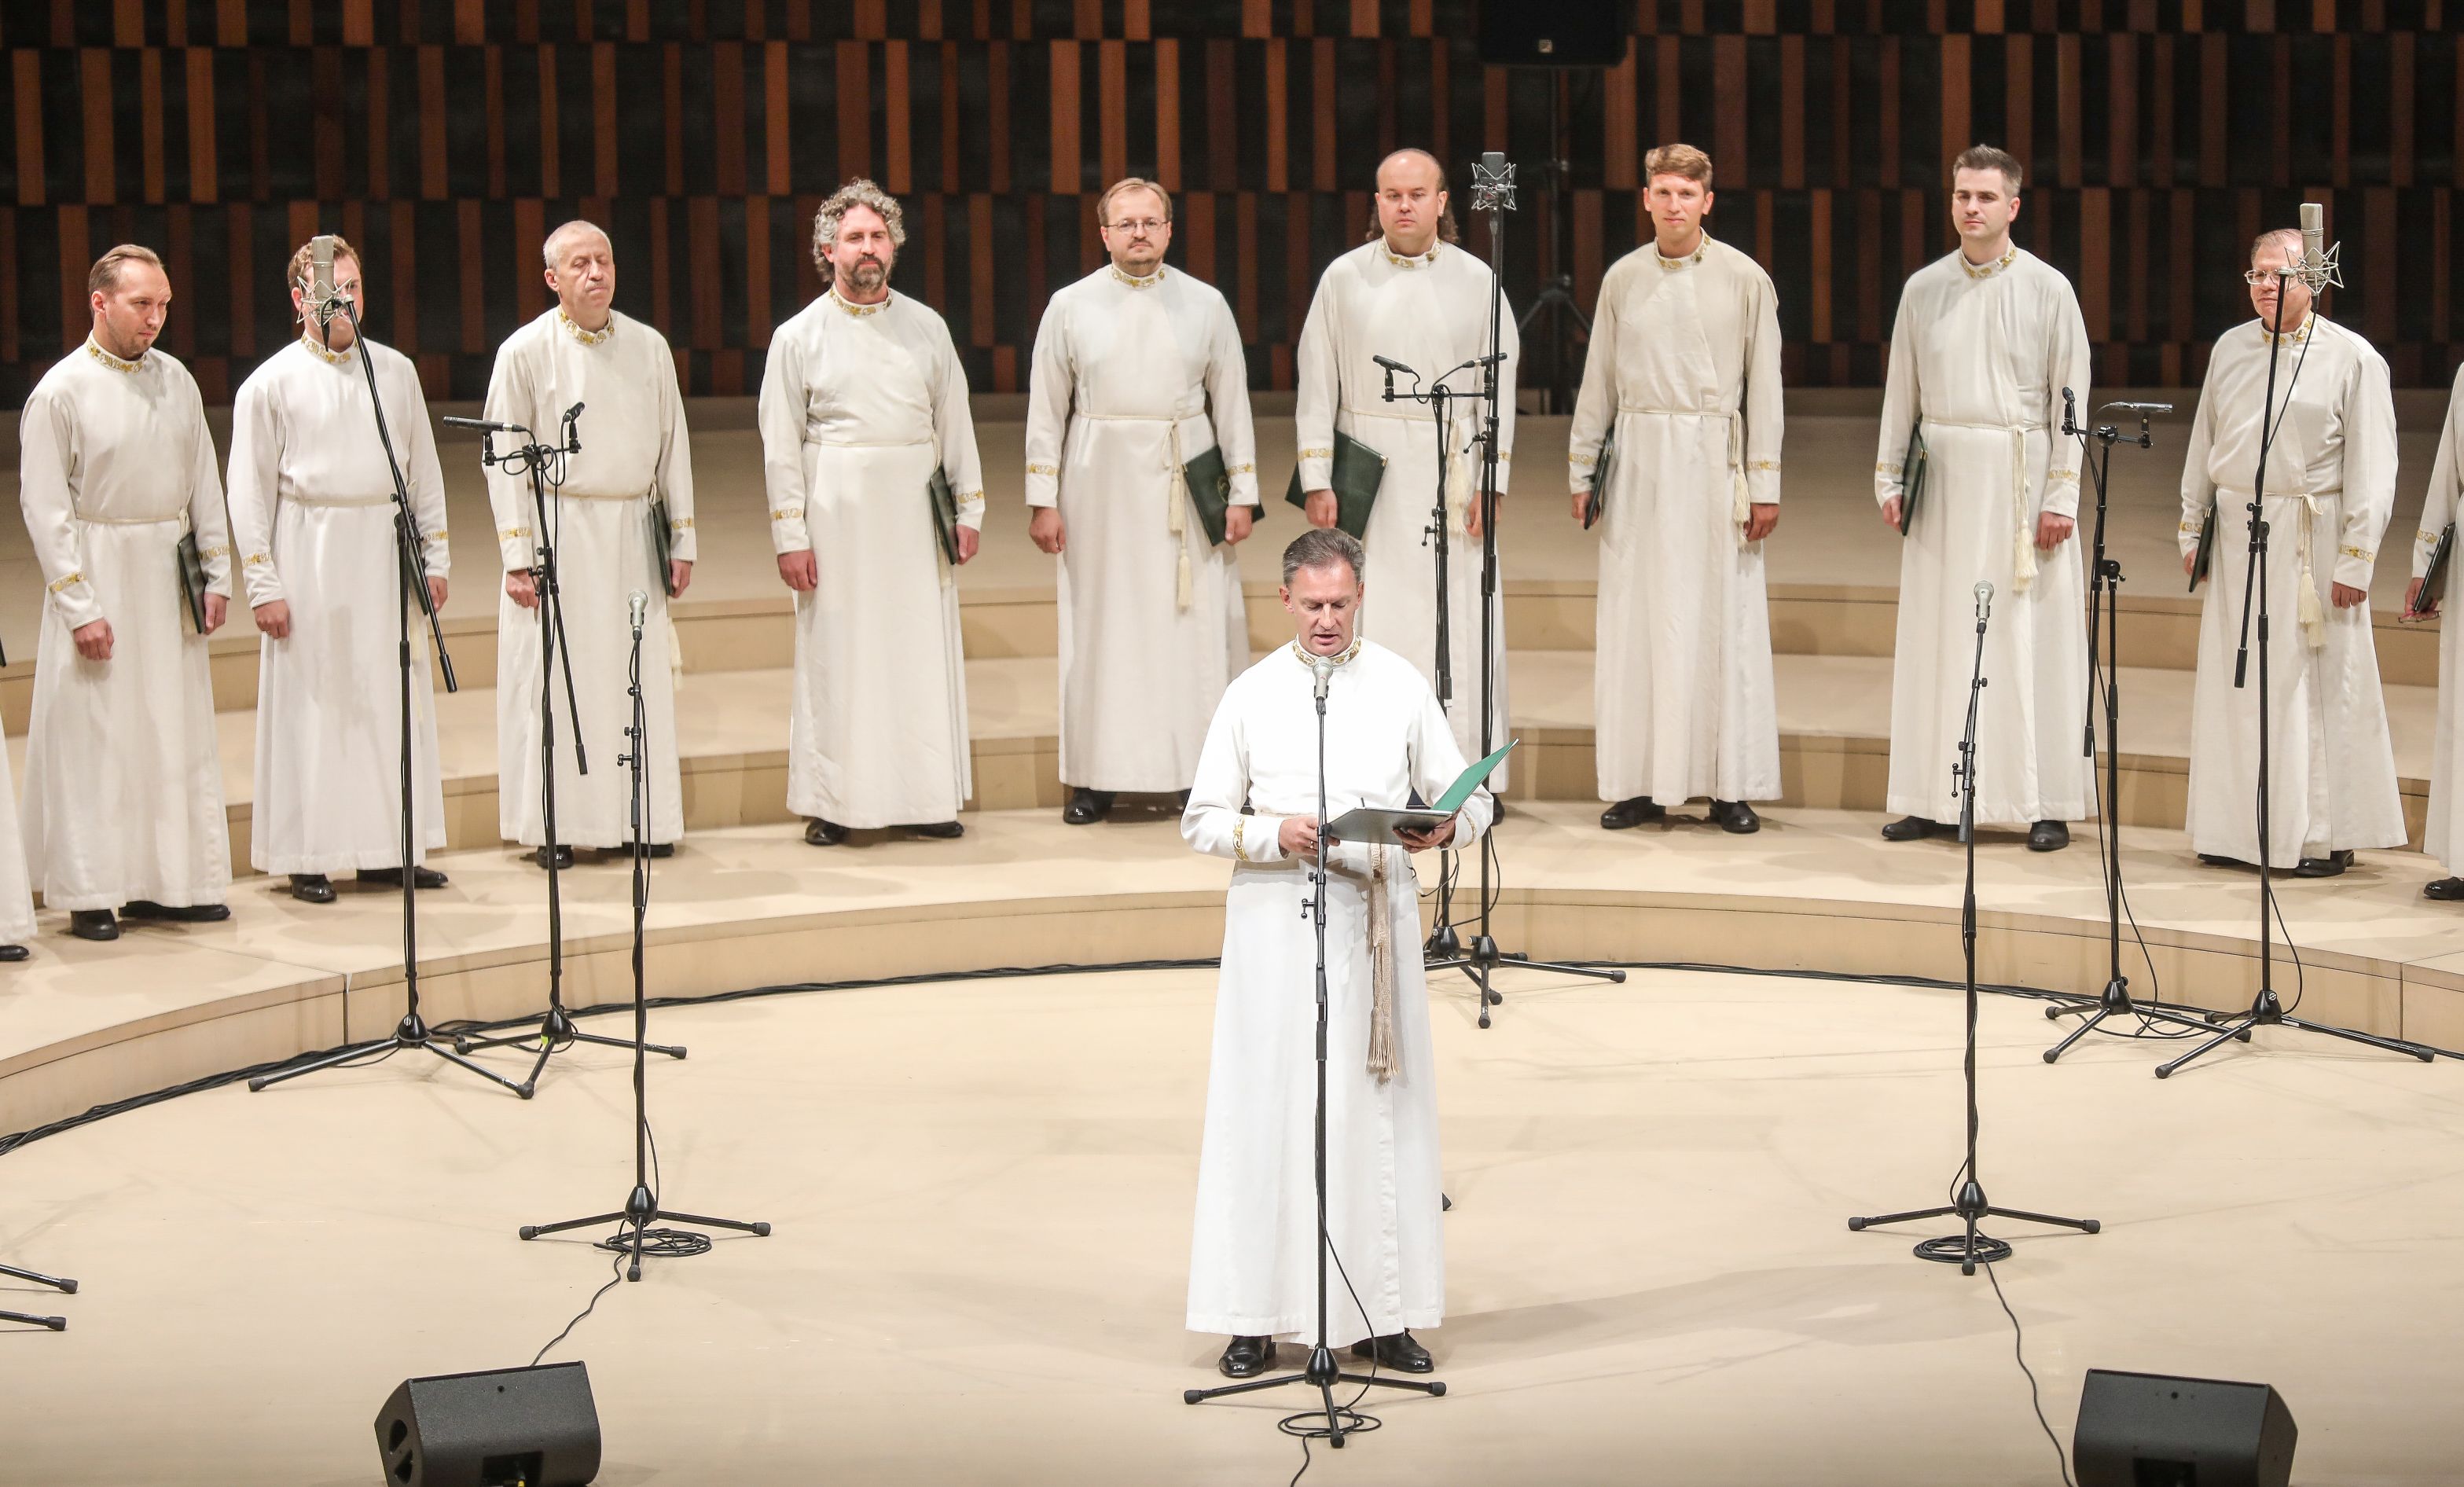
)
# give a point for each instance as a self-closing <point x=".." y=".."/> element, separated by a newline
<point x="1135" y="282"/>
<point x="573" y="328"/>
<point x="94" y="349"/>
<point x="842" y="302"/>
<point x="1701" y="245"/>
<point x="2293" y="336"/>
<point x="322" y="352"/>
<point x="1985" y="270"/>
<point x="1309" y="657"/>
<point x="1399" y="260"/>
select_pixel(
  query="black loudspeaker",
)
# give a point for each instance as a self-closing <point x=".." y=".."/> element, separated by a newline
<point x="2150" y="1429"/>
<point x="1552" y="33"/>
<point x="536" y="1427"/>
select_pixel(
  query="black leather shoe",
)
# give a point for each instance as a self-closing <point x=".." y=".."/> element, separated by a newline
<point x="1087" y="806"/>
<point x="1246" y="1358"/>
<point x="657" y="850"/>
<point x="2220" y="860"/>
<point x="1397" y="1352"/>
<point x="1735" y="816"/>
<point x="2447" y="890"/>
<point x="2049" y="836"/>
<point x="391" y="877"/>
<point x="2331" y="865"/>
<point x="564" y="855"/>
<point x="941" y="830"/>
<point x="1182" y="803"/>
<point x="312" y="887"/>
<point x="1909" y="828"/>
<point x="93" y="923"/>
<point x="13" y="953"/>
<point x="823" y="833"/>
<point x="1626" y="814"/>
<point x="185" y="913"/>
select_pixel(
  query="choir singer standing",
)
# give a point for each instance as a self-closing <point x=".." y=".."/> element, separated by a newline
<point x="1139" y="370"/>
<point x="2443" y="839"/>
<point x="124" y="804"/>
<point x="1683" y="372"/>
<point x="1253" y="1260"/>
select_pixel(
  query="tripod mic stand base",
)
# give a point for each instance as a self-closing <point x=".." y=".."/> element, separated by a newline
<point x="1483" y="959"/>
<point x="555" y="1029"/>
<point x="1323" y="1374"/>
<point x="412" y="1031"/>
<point x="1969" y="1249"/>
<point x="2115" y="1002"/>
<point x="640" y="1212"/>
<point x="2269" y="1012"/>
<point x="28" y="1318"/>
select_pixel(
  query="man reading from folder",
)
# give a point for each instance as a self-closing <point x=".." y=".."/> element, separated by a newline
<point x="1253" y="1268"/>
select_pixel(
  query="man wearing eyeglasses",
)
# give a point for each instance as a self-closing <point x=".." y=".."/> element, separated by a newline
<point x="2330" y="489"/>
<point x="1138" y="373"/>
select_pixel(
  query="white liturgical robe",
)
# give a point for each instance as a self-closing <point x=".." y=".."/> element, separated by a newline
<point x="635" y="451"/>
<point x="16" y="895"/>
<point x="1431" y="313"/>
<point x="313" y="521"/>
<point x="2330" y="490"/>
<point x="2443" y="835"/>
<point x="1253" y="1266"/>
<point x="1133" y="378"/>
<point x="1981" y="355"/>
<point x="123" y="785"/>
<point x="860" y="403"/>
<point x="1685" y="367"/>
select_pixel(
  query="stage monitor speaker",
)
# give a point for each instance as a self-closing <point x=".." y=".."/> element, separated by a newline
<point x="536" y="1427"/>
<point x="1552" y="33"/>
<point x="2151" y="1430"/>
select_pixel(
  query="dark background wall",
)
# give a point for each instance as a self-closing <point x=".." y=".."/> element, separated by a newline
<point x="445" y="137"/>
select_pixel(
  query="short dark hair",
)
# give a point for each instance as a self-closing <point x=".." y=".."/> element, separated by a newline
<point x="1324" y="547"/>
<point x="1985" y="157"/>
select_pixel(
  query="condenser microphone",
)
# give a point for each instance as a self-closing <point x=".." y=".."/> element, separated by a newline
<point x="1393" y="366"/>
<point x="1322" y="668"/>
<point x="320" y="278"/>
<point x="2319" y="266"/>
<point x="1984" y="601"/>
<point x="2070" y="412"/>
<point x="482" y="424"/>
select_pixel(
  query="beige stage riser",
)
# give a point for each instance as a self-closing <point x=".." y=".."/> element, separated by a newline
<point x="741" y="635"/>
<point x="2043" y="951"/>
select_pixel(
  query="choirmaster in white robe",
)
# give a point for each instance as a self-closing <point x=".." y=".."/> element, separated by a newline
<point x="635" y="450"/>
<point x="1982" y="355"/>
<point x="1133" y="378"/>
<point x="2443" y="835"/>
<point x="859" y="405"/>
<point x="123" y="785"/>
<point x="1431" y="314"/>
<point x="1684" y="365"/>
<point x="1253" y="1268"/>
<point x="312" y="519"/>
<point x="2330" y="490"/>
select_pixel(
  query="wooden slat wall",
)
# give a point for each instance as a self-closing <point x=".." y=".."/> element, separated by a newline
<point x="444" y="136"/>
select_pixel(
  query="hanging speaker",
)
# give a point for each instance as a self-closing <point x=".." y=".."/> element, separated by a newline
<point x="2151" y="1430"/>
<point x="532" y="1427"/>
<point x="1552" y="33"/>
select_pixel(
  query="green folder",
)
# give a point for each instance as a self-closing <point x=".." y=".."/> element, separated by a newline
<point x="2206" y="551"/>
<point x="1210" y="490"/>
<point x="662" y="546"/>
<point x="1912" y="476"/>
<point x="1358" y="470"/>
<point x="1373" y="823"/>
<point x="1601" y="470"/>
<point x="193" y="579"/>
<point x="945" y="513"/>
<point x="2433" y="578"/>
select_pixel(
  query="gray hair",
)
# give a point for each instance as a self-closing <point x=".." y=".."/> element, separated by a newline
<point x="858" y="192"/>
<point x="1323" y="548"/>
<point x="547" y="249"/>
<point x="2290" y="237"/>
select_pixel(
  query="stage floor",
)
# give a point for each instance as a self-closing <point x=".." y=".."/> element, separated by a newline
<point x="983" y="1195"/>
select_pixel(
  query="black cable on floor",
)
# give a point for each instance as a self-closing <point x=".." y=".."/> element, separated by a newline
<point x="2061" y="1456"/>
<point x="616" y="1274"/>
<point x="1355" y="1421"/>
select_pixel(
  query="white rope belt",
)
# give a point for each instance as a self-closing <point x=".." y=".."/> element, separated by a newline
<point x="1176" y="492"/>
<point x="130" y="522"/>
<point x="337" y="502"/>
<point x="2023" y="550"/>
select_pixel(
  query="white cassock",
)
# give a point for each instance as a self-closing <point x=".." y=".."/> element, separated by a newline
<point x="1983" y="356"/>
<point x="16" y="895"/>
<point x="1253" y="1257"/>
<point x="312" y="520"/>
<point x="2442" y="837"/>
<point x="2330" y="490"/>
<point x="860" y="403"/>
<point x="1133" y="378"/>
<point x="1431" y="313"/>
<point x="124" y="786"/>
<point x="1684" y="362"/>
<point x="635" y="451"/>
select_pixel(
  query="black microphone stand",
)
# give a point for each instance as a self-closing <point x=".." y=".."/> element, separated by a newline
<point x="642" y="1205"/>
<point x="2266" y="1010"/>
<point x="1321" y="1372"/>
<point x="1969" y="1249"/>
<point x="544" y="466"/>
<point x="1439" y="398"/>
<point x="28" y="1318"/>
<point x="410" y="578"/>
<point x="2104" y="690"/>
<point x="1494" y="192"/>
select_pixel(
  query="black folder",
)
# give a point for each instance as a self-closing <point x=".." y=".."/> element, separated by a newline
<point x="1358" y="470"/>
<point x="2433" y="578"/>
<point x="2206" y="554"/>
<point x="945" y="513"/>
<point x="1912" y="476"/>
<point x="1210" y="490"/>
<point x="662" y="546"/>
<point x="193" y="579"/>
<point x="1601" y="470"/>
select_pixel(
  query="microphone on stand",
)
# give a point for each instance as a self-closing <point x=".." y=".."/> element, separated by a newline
<point x="1983" y="602"/>
<point x="572" y="435"/>
<point x="2070" y="413"/>
<point x="482" y="425"/>
<point x="2320" y="265"/>
<point x="320" y="278"/>
<point x="1322" y="670"/>
<point x="1392" y="366"/>
<point x="639" y="604"/>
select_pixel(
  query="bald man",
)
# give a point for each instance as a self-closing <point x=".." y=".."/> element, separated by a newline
<point x="1411" y="295"/>
<point x="635" y="453"/>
